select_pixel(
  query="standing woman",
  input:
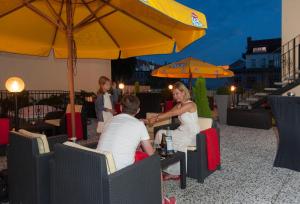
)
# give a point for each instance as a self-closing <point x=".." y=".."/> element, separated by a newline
<point x="185" y="134"/>
<point x="104" y="103"/>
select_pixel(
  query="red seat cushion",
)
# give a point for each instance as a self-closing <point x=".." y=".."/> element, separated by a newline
<point x="78" y="125"/>
<point x="4" y="131"/>
<point x="169" y="105"/>
<point x="139" y="155"/>
<point x="212" y="147"/>
<point x="118" y="108"/>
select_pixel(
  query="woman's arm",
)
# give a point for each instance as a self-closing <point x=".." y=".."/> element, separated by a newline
<point x="175" y="111"/>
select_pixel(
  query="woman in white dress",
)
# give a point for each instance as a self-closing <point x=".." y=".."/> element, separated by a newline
<point x="185" y="134"/>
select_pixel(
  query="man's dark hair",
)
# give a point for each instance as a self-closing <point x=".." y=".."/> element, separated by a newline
<point x="130" y="104"/>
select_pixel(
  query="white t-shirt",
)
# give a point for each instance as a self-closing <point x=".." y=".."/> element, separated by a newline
<point x="121" y="137"/>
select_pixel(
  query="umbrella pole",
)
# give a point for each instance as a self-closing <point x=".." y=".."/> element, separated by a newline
<point x="70" y="39"/>
<point x="190" y="82"/>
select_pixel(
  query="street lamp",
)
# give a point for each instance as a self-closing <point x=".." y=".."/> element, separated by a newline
<point x="15" y="85"/>
<point x="233" y="89"/>
<point x="122" y="86"/>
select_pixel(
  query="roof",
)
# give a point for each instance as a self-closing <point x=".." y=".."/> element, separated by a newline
<point x="271" y="45"/>
<point x="238" y="64"/>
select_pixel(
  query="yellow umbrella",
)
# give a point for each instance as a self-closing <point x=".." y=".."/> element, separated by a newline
<point x="107" y="29"/>
<point x="192" y="68"/>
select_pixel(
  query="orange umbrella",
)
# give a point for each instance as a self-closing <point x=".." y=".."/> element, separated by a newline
<point x="192" y="68"/>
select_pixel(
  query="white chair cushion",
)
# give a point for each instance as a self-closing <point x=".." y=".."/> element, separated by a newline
<point x="205" y="123"/>
<point x="110" y="163"/>
<point x="55" y="122"/>
<point x="42" y="141"/>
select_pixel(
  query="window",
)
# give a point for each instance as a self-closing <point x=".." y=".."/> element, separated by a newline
<point x="271" y="63"/>
<point x="263" y="63"/>
<point x="253" y="63"/>
<point x="259" y="49"/>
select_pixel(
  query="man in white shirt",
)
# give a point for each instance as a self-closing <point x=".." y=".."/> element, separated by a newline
<point x="124" y="133"/>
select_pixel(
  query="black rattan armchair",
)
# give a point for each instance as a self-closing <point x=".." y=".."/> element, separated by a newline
<point x="80" y="176"/>
<point x="196" y="158"/>
<point x="28" y="170"/>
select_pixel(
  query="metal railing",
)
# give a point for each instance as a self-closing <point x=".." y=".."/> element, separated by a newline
<point x="290" y="62"/>
<point x="33" y="105"/>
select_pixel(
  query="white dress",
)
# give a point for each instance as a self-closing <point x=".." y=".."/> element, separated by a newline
<point x="183" y="136"/>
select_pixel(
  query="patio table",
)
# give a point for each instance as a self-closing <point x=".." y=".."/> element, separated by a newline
<point x="176" y="157"/>
<point x="286" y="111"/>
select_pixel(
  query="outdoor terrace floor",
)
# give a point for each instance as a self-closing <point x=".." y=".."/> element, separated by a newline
<point x="247" y="174"/>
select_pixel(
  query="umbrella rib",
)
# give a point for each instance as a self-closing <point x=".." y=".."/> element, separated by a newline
<point x="58" y="16"/>
<point x="101" y="24"/>
<point x="140" y="21"/>
<point x="40" y="13"/>
<point x="88" y="18"/>
<point x="56" y="29"/>
<point x="15" y="9"/>
<point x="95" y="19"/>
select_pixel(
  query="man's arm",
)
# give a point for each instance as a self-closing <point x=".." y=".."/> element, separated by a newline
<point x="147" y="147"/>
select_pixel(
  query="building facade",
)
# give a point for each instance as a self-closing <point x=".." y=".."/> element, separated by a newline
<point x="260" y="66"/>
<point x="291" y="42"/>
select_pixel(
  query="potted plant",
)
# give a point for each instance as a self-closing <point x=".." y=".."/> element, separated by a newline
<point x="200" y="97"/>
<point x="222" y="101"/>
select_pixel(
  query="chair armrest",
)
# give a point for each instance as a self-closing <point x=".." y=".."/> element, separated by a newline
<point x="137" y="183"/>
<point x="43" y="177"/>
<point x="52" y="140"/>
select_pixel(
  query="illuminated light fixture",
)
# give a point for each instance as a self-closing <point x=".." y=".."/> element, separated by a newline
<point x="15" y="85"/>
<point x="121" y="86"/>
<point x="170" y="87"/>
<point x="232" y="88"/>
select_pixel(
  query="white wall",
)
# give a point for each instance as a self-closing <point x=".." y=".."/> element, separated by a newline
<point x="290" y="30"/>
<point x="48" y="73"/>
<point x="290" y="19"/>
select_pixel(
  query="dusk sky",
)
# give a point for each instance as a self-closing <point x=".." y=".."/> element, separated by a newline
<point x="230" y="22"/>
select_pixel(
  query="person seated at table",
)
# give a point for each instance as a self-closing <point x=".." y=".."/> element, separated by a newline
<point x="123" y="135"/>
<point x="185" y="134"/>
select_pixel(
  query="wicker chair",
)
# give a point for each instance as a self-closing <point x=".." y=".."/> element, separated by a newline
<point x="80" y="176"/>
<point x="196" y="156"/>
<point x="28" y="170"/>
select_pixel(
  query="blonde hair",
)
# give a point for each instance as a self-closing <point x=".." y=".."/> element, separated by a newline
<point x="181" y="87"/>
<point x="102" y="80"/>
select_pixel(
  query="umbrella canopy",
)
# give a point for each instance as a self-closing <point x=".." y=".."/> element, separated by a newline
<point x="192" y="68"/>
<point x="106" y="29"/>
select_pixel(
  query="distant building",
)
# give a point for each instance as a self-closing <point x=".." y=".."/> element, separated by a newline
<point x="261" y="64"/>
<point x="142" y="72"/>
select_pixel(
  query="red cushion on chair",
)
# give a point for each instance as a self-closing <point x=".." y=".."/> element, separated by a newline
<point x="139" y="155"/>
<point x="78" y="125"/>
<point x="118" y="108"/>
<point x="212" y="147"/>
<point x="169" y="105"/>
<point x="4" y="131"/>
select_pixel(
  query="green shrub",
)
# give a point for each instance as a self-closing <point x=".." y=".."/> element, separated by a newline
<point x="200" y="97"/>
